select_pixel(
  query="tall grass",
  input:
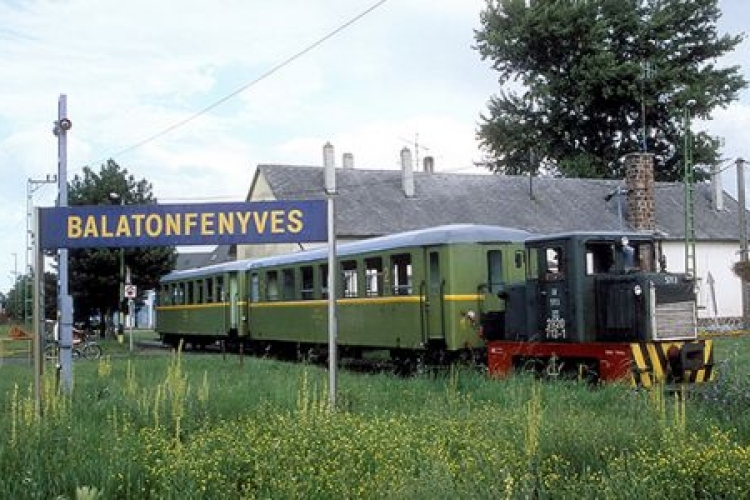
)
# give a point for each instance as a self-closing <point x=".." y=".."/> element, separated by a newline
<point x="204" y="427"/>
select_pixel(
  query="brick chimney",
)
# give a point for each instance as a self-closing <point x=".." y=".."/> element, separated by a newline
<point x="639" y="180"/>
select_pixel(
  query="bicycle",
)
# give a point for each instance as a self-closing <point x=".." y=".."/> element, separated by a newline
<point x="82" y="347"/>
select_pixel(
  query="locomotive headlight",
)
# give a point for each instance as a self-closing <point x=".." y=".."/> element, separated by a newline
<point x="471" y="316"/>
<point x="637" y="290"/>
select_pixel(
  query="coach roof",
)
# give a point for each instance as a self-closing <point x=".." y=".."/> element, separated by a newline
<point x="441" y="235"/>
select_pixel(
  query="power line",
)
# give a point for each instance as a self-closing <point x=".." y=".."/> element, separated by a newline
<point x="257" y="80"/>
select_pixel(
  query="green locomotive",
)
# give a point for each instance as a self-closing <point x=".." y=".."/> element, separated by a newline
<point x="601" y="306"/>
<point x="417" y="295"/>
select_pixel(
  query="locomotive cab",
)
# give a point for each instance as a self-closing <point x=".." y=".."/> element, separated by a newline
<point x="603" y="302"/>
<point x="592" y="287"/>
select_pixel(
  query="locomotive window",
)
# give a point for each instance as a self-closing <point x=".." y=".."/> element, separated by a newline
<point x="401" y="265"/>
<point x="600" y="258"/>
<point x="290" y="290"/>
<point x="374" y="276"/>
<point x="272" y="285"/>
<point x="554" y="264"/>
<point x="308" y="286"/>
<point x="349" y="269"/>
<point x="494" y="270"/>
<point x="519" y="259"/>
<point x="645" y="257"/>
<point x="254" y="288"/>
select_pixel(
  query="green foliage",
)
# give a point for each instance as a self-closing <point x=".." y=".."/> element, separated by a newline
<point x="580" y="78"/>
<point x="95" y="273"/>
<point x="204" y="427"/>
<point x="23" y="290"/>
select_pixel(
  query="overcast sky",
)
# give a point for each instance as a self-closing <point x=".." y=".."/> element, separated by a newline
<point x="403" y="73"/>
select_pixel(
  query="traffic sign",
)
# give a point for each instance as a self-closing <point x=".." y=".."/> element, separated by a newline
<point x="130" y="291"/>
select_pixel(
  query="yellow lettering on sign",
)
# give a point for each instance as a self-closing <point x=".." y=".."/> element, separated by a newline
<point x="244" y="218"/>
<point x="207" y="224"/>
<point x="105" y="232"/>
<point x="153" y="225"/>
<point x="123" y="227"/>
<point x="172" y="224"/>
<point x="190" y="222"/>
<point x="90" y="230"/>
<point x="295" y="221"/>
<point x="226" y="223"/>
<point x="260" y="219"/>
<point x="74" y="226"/>
<point x="138" y="219"/>
<point x="277" y="221"/>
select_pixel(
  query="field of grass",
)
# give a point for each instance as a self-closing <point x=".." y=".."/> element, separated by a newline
<point x="181" y="426"/>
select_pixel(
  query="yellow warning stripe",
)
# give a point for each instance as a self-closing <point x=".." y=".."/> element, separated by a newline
<point x="651" y="363"/>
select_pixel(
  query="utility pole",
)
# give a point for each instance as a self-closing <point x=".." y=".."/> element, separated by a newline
<point x="32" y="186"/>
<point x="743" y="239"/>
<point x="690" y="265"/>
<point x="330" y="190"/>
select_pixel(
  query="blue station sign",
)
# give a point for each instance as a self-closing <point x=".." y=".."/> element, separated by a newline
<point x="183" y="224"/>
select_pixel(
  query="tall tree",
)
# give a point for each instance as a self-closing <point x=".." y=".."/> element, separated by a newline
<point x="95" y="273"/>
<point x="586" y="81"/>
<point x="19" y="302"/>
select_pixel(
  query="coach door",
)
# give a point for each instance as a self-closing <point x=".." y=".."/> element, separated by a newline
<point x="434" y="296"/>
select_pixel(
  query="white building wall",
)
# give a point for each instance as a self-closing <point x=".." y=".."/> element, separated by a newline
<point x="717" y="259"/>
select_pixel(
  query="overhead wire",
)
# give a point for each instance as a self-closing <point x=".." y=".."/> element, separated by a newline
<point x="249" y="84"/>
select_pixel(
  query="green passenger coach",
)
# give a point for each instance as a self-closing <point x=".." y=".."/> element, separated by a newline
<point x="418" y="295"/>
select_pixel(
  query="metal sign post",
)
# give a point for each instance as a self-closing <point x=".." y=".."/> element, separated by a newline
<point x="131" y="292"/>
<point x="65" y="301"/>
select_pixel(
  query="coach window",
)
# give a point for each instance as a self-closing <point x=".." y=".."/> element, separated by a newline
<point x="179" y="294"/>
<point x="519" y="259"/>
<point x="199" y="288"/>
<point x="164" y="295"/>
<point x="220" y="289"/>
<point x="349" y="271"/>
<point x="494" y="270"/>
<point x="324" y="281"/>
<point x="209" y="290"/>
<point x="272" y="285"/>
<point x="374" y="276"/>
<point x="290" y="289"/>
<point x="254" y="287"/>
<point x="401" y="266"/>
<point x="308" y="285"/>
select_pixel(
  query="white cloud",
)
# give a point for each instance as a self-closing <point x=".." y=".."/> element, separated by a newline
<point x="133" y="69"/>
